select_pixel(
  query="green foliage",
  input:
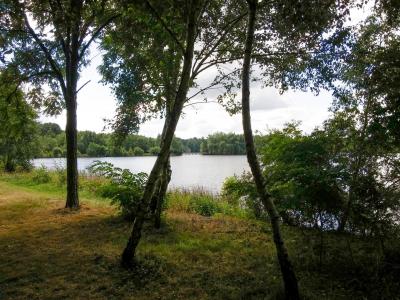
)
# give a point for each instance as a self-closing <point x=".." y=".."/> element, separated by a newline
<point x="41" y="175"/>
<point x="201" y="202"/>
<point x="125" y="188"/>
<point x="50" y="129"/>
<point x="18" y="131"/>
<point x="51" y="143"/>
<point x="137" y="151"/>
<point x="95" y="150"/>
<point x="241" y="191"/>
<point x="57" y="152"/>
<point x="204" y="204"/>
<point x="223" y="144"/>
<point x="154" y="150"/>
<point x="61" y="175"/>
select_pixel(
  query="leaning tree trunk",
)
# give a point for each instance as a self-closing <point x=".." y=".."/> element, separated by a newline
<point x="289" y="277"/>
<point x="128" y="254"/>
<point x="164" y="181"/>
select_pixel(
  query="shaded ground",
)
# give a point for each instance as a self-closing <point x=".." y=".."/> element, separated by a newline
<point x="47" y="252"/>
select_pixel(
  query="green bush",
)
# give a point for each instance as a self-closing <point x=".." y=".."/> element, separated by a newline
<point x="204" y="204"/>
<point x="41" y="175"/>
<point x="125" y="188"/>
<point x="241" y="191"/>
<point x="61" y="175"/>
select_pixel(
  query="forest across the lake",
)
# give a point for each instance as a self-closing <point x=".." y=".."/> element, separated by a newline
<point x="50" y="142"/>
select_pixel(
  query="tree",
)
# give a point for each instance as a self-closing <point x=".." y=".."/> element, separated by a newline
<point x="48" y="43"/>
<point x="154" y="150"/>
<point x="96" y="150"/>
<point x="18" y="132"/>
<point x="137" y="151"/>
<point x="288" y="33"/>
<point x="163" y="39"/>
<point x="289" y="277"/>
<point x="51" y="129"/>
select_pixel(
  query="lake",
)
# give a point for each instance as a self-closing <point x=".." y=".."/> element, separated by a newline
<point x="188" y="170"/>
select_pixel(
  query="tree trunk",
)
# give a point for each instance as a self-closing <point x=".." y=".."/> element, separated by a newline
<point x="9" y="165"/>
<point x="72" y="70"/>
<point x="165" y="179"/>
<point x="128" y="254"/>
<point x="72" y="163"/>
<point x="359" y="154"/>
<point x="289" y="277"/>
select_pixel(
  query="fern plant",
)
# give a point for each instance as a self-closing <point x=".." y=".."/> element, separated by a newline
<point x="125" y="188"/>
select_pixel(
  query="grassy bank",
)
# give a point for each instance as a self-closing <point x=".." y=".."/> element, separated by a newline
<point x="48" y="252"/>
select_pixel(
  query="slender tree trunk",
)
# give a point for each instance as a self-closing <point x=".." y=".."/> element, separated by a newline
<point x="72" y="163"/>
<point x="359" y="161"/>
<point x="128" y="254"/>
<point x="72" y="65"/>
<point x="289" y="277"/>
<point x="165" y="179"/>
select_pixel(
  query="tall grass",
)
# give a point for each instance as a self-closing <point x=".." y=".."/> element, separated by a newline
<point x="200" y="201"/>
<point x="194" y="200"/>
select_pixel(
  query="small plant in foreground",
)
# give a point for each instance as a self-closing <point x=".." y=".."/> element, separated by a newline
<point x="41" y="175"/>
<point x="125" y="188"/>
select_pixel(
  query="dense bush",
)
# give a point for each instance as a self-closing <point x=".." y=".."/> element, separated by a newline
<point x="204" y="204"/>
<point x="241" y="190"/>
<point x="125" y="188"/>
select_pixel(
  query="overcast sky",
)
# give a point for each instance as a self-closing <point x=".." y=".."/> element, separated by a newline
<point x="270" y="110"/>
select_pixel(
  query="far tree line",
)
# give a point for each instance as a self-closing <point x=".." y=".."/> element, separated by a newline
<point x="50" y="142"/>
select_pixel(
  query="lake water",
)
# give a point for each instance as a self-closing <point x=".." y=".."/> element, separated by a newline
<point x="188" y="170"/>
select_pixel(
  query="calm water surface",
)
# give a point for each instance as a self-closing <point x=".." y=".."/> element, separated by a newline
<point x="189" y="170"/>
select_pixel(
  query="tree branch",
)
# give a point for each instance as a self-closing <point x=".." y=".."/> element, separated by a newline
<point x="213" y="84"/>
<point x="226" y="30"/>
<point x="171" y="33"/>
<point x="83" y="85"/>
<point x="200" y="102"/>
<point x="53" y="64"/>
<point x="96" y="34"/>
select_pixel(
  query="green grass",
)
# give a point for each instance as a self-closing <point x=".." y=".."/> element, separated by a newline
<point x="48" y="252"/>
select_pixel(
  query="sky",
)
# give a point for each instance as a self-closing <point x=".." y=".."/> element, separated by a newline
<point x="269" y="110"/>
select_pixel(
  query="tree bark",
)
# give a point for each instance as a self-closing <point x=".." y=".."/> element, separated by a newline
<point x="359" y="154"/>
<point x="72" y="162"/>
<point x="72" y="70"/>
<point x="164" y="181"/>
<point x="128" y="254"/>
<point x="288" y="275"/>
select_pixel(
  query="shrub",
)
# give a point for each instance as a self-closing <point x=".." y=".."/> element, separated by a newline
<point x="125" y="189"/>
<point x="204" y="204"/>
<point x="41" y="175"/>
<point x="61" y="175"/>
<point x="241" y="191"/>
